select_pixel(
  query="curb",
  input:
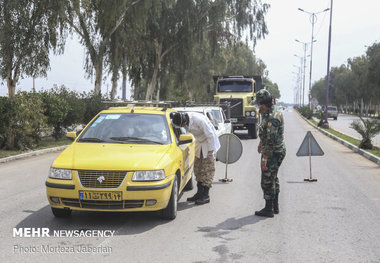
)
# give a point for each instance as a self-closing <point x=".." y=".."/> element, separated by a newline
<point x="33" y="153"/>
<point x="354" y="148"/>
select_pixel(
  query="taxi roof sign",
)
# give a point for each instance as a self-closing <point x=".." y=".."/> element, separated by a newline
<point x="309" y="146"/>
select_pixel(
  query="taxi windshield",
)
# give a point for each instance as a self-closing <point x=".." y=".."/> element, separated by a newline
<point x="129" y="128"/>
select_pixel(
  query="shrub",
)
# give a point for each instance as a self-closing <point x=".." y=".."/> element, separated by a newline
<point x="93" y="105"/>
<point x="28" y="121"/>
<point x="7" y="111"/>
<point x="306" y="112"/>
<point x="56" y="109"/>
<point x="367" y="129"/>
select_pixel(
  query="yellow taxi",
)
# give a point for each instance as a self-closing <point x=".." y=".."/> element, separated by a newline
<point x="125" y="159"/>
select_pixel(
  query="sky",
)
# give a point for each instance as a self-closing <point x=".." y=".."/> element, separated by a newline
<point x="355" y="25"/>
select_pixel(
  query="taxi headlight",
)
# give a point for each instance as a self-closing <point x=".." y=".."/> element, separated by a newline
<point x="63" y="174"/>
<point x="247" y="113"/>
<point x="148" y="175"/>
<point x="253" y="113"/>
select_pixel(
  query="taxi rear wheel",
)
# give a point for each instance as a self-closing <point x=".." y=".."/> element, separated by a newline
<point x="57" y="212"/>
<point x="170" y="212"/>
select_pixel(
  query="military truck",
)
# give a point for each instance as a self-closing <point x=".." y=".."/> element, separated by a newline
<point x="239" y="92"/>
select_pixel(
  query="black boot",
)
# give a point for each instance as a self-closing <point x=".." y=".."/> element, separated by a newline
<point x="275" y="204"/>
<point x="198" y="193"/>
<point x="267" y="211"/>
<point x="204" y="198"/>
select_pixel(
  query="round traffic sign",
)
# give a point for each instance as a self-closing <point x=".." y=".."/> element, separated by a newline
<point x="230" y="149"/>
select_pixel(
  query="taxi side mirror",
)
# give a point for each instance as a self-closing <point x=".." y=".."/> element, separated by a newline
<point x="185" y="138"/>
<point x="71" y="135"/>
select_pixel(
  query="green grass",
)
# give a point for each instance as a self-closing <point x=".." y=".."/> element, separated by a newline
<point x="375" y="151"/>
<point x="44" y="144"/>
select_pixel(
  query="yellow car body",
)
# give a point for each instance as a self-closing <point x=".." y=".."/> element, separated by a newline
<point x="102" y="170"/>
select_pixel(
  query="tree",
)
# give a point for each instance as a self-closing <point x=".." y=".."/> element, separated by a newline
<point x="373" y="55"/>
<point x="188" y="82"/>
<point x="173" y="27"/>
<point x="344" y="83"/>
<point x="318" y="90"/>
<point x="28" y="30"/>
<point x="359" y="67"/>
<point x="272" y="88"/>
<point x="95" y="22"/>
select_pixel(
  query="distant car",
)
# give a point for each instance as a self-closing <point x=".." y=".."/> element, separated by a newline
<point x="125" y="159"/>
<point x="332" y="112"/>
<point x="214" y="114"/>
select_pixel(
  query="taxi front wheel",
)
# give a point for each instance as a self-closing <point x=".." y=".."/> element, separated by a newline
<point x="170" y="212"/>
<point x="57" y="212"/>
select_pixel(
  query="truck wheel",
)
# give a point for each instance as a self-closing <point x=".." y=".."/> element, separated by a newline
<point x="170" y="212"/>
<point x="252" y="131"/>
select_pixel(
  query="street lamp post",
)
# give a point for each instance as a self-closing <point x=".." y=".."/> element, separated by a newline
<point x="313" y="20"/>
<point x="299" y="83"/>
<point x="328" y="66"/>
<point x="302" y="73"/>
<point x="304" y="63"/>
<point x="297" y="89"/>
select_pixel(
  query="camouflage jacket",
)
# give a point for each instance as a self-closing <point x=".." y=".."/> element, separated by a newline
<point x="272" y="131"/>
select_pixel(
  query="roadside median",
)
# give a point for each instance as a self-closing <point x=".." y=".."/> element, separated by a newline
<point x="354" y="148"/>
<point x="32" y="153"/>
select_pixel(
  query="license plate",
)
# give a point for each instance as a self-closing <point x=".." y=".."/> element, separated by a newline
<point x="233" y="119"/>
<point x="100" y="195"/>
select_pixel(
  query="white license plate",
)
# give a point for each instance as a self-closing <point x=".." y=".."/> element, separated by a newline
<point x="233" y="120"/>
<point x="100" y="195"/>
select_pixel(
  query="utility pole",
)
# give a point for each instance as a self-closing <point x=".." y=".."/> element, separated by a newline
<point x="328" y="66"/>
<point x="304" y="63"/>
<point x="313" y="20"/>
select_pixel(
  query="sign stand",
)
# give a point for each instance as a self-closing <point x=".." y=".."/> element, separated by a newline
<point x="230" y="151"/>
<point x="225" y="179"/>
<point x="310" y="147"/>
<point x="311" y="178"/>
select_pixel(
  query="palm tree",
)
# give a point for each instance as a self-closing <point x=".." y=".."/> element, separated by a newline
<point x="368" y="129"/>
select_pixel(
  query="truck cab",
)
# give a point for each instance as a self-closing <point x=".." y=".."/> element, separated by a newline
<point x="240" y="93"/>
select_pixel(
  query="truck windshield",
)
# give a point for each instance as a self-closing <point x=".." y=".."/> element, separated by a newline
<point x="235" y="86"/>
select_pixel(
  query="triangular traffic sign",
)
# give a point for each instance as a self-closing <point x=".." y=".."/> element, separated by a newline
<point x="309" y="146"/>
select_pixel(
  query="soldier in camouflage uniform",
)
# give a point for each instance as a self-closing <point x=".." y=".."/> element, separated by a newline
<point x="272" y="149"/>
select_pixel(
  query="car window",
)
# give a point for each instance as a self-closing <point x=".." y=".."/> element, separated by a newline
<point x="127" y="128"/>
<point x="217" y="116"/>
<point x="332" y="108"/>
<point x="178" y="132"/>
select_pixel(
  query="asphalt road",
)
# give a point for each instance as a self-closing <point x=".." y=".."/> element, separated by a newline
<point x="336" y="219"/>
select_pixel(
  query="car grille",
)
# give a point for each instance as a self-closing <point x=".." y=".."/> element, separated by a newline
<point x="111" y="179"/>
<point x="95" y="204"/>
<point x="236" y="107"/>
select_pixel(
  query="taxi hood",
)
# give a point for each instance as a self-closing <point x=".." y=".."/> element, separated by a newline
<point x="103" y="156"/>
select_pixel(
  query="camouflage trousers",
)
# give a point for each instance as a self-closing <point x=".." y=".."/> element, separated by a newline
<point x="269" y="179"/>
<point x="204" y="170"/>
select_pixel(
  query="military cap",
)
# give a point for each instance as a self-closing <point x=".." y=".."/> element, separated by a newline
<point x="263" y="96"/>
